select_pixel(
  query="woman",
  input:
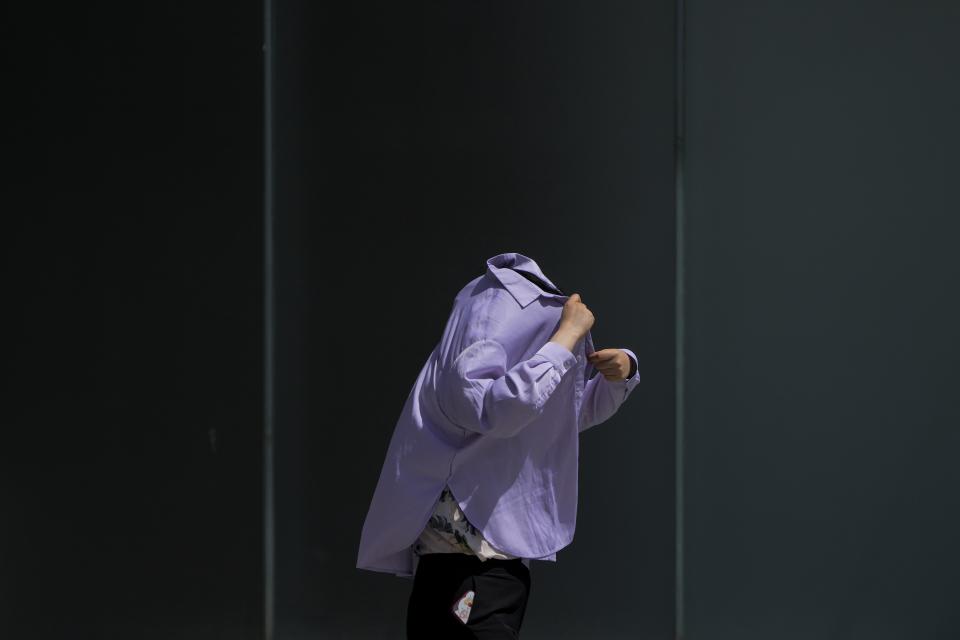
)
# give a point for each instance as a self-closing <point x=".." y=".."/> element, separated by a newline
<point x="480" y="476"/>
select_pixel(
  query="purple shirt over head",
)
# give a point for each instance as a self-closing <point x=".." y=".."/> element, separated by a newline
<point x="494" y="414"/>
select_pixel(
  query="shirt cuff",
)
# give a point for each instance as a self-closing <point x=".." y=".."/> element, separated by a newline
<point x="561" y="357"/>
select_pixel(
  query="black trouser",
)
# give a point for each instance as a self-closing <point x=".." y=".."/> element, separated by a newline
<point x="500" y="592"/>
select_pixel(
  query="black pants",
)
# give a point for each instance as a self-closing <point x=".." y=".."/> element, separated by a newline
<point x="440" y="590"/>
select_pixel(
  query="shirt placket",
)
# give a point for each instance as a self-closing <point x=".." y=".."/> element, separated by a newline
<point x="583" y="347"/>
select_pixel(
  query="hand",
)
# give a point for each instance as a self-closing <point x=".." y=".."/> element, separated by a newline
<point x="575" y="321"/>
<point x="614" y="364"/>
<point x="576" y="317"/>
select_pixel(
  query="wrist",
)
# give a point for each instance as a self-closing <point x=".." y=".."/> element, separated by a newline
<point x="566" y="337"/>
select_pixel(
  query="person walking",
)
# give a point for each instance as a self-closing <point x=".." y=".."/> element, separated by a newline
<point x="480" y="474"/>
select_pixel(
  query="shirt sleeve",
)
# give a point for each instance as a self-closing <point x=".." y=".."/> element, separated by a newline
<point x="602" y="397"/>
<point x="478" y="393"/>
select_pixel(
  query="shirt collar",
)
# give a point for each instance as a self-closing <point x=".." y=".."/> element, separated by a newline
<point x="502" y="266"/>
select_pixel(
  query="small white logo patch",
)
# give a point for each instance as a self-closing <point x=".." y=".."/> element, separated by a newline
<point x="462" y="607"/>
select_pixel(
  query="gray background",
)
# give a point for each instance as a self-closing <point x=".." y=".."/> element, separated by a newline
<point x="132" y="404"/>
<point x="819" y="327"/>
<point x="821" y="432"/>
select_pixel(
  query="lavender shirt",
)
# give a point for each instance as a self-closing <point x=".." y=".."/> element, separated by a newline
<point x="495" y="413"/>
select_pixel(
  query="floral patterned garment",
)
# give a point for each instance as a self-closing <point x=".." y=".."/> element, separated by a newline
<point x="448" y="531"/>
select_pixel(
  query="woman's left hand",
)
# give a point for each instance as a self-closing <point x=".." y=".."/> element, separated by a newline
<point x="614" y="364"/>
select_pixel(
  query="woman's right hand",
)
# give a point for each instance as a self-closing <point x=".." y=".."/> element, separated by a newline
<point x="575" y="321"/>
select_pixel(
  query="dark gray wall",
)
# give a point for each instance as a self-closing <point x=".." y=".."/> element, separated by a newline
<point x="130" y="465"/>
<point x="415" y="140"/>
<point x="821" y="321"/>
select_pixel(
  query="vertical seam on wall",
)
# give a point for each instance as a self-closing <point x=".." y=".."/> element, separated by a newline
<point x="268" y="322"/>
<point x="679" y="309"/>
